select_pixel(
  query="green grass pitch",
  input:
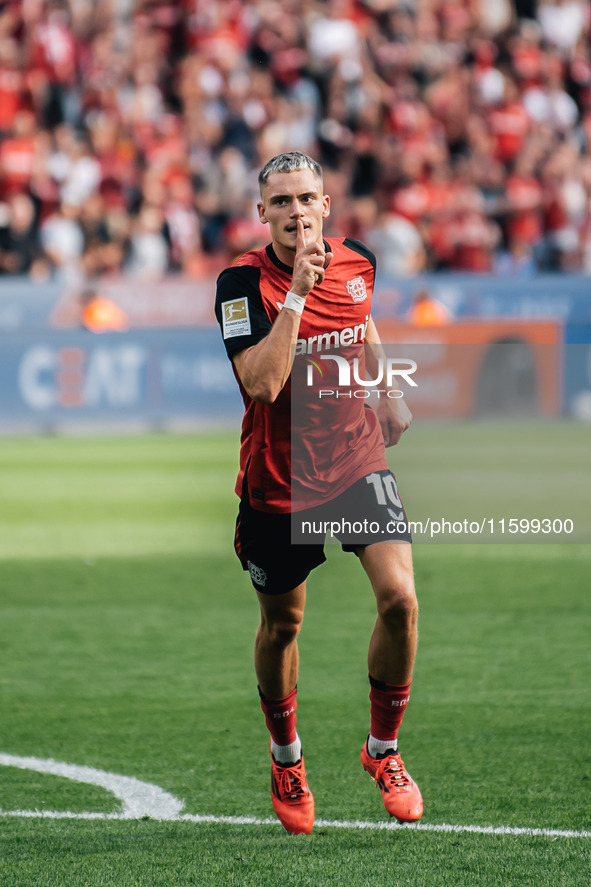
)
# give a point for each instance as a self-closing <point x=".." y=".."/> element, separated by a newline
<point x="126" y="629"/>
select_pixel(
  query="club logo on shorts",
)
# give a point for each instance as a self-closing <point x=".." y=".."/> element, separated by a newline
<point x="257" y="574"/>
<point x="356" y="289"/>
<point x="235" y="318"/>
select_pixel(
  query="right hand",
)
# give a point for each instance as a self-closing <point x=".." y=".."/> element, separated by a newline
<point x="311" y="262"/>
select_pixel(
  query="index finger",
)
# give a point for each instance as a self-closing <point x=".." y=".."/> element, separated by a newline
<point x="300" y="236"/>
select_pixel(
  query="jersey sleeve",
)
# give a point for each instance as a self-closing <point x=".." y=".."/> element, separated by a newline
<point x="239" y="308"/>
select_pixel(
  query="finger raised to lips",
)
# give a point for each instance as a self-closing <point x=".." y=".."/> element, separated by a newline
<point x="300" y="236"/>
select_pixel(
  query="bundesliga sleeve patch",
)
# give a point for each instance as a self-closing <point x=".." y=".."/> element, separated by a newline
<point x="235" y="318"/>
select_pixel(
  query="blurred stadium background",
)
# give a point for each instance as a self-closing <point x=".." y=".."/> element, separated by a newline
<point x="455" y="138"/>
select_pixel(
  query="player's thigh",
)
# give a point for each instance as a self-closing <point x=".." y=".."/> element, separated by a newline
<point x="283" y="613"/>
<point x="389" y="567"/>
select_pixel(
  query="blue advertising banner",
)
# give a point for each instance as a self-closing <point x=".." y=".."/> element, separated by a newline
<point x="64" y="379"/>
<point x="563" y="297"/>
<point x="178" y="302"/>
<point x="61" y="377"/>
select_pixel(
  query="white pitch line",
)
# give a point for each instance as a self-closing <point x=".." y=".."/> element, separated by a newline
<point x="64" y="814"/>
<point x="442" y="828"/>
<point x="138" y="798"/>
<point x="397" y="826"/>
<point x="469" y="829"/>
<point x="143" y="799"/>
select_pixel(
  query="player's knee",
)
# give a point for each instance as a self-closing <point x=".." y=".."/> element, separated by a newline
<point x="397" y="604"/>
<point x="283" y="631"/>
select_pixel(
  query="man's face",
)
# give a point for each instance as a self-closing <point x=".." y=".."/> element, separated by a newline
<point x="287" y="197"/>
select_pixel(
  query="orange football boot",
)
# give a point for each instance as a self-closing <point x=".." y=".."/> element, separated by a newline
<point x="400" y="793"/>
<point x="292" y="799"/>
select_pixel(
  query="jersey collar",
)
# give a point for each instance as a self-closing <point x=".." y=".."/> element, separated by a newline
<point x="281" y="265"/>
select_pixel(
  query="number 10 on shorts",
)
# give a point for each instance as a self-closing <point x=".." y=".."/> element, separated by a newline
<point x="384" y="488"/>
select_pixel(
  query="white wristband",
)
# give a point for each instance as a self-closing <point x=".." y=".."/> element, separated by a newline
<point x="295" y="302"/>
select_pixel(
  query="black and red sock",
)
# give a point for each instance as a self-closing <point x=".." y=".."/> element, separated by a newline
<point x="388" y="703"/>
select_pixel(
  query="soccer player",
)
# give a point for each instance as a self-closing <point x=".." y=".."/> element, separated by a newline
<point x="272" y="304"/>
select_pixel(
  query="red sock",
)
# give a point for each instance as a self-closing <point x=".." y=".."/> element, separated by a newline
<point x="388" y="702"/>
<point x="280" y="717"/>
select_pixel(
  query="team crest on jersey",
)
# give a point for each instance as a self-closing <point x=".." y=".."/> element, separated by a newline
<point x="257" y="574"/>
<point x="356" y="289"/>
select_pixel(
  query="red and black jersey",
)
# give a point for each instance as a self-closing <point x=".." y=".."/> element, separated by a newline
<point x="337" y="442"/>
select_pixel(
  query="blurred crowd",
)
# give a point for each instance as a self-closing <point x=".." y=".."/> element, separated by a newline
<point x="454" y="134"/>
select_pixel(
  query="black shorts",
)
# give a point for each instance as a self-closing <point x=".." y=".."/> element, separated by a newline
<point x="280" y="550"/>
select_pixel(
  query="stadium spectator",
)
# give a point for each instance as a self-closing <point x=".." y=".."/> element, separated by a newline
<point x="562" y="21"/>
<point x="426" y="310"/>
<point x="149" y="253"/>
<point x="509" y="123"/>
<point x="104" y="251"/>
<point x="516" y="261"/>
<point x="80" y="173"/>
<point x="98" y="314"/>
<point x="397" y="244"/>
<point x="20" y="250"/>
<point x="62" y="240"/>
<point x="12" y="83"/>
<point x="18" y="152"/>
<point x="524" y="219"/>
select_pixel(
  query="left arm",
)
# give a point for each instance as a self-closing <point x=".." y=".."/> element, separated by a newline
<point x="393" y="413"/>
